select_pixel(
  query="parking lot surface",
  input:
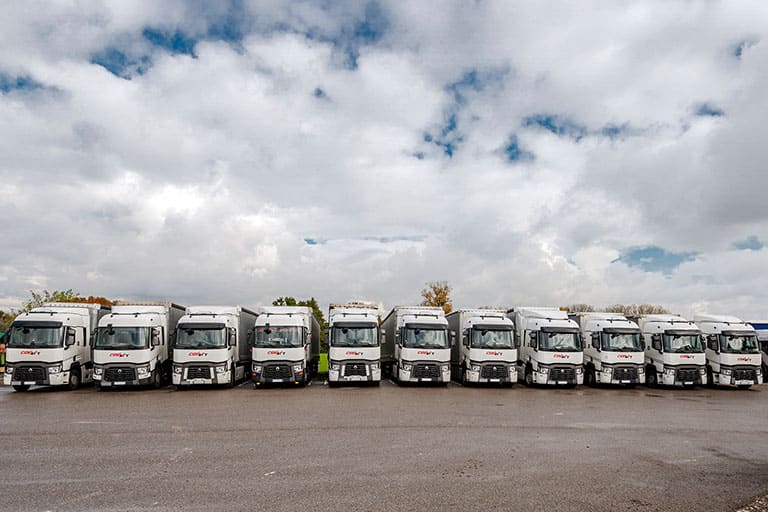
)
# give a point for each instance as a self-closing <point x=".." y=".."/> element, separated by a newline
<point x="383" y="448"/>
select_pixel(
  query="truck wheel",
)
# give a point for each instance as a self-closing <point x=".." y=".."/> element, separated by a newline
<point x="529" y="377"/>
<point x="464" y="381"/>
<point x="591" y="377"/>
<point x="74" y="380"/>
<point x="710" y="379"/>
<point x="652" y="379"/>
<point x="157" y="378"/>
<point x="21" y="387"/>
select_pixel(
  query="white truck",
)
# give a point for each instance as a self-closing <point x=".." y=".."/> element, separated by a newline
<point x="134" y="344"/>
<point x="50" y="345"/>
<point x="550" y="348"/>
<point x="212" y="346"/>
<point x="761" y="328"/>
<point x="286" y="345"/>
<point x="732" y="351"/>
<point x="417" y="344"/>
<point x="674" y="353"/>
<point x="354" y="343"/>
<point x="487" y="352"/>
<point x="614" y="352"/>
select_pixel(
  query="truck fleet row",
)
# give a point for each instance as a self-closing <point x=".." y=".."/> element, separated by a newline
<point x="154" y="343"/>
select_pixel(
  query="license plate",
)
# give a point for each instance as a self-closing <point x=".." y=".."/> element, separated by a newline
<point x="118" y="383"/>
<point x="743" y="382"/>
<point x="688" y="383"/>
<point x="562" y="382"/>
<point x="494" y="380"/>
<point x="29" y="383"/>
<point x="426" y="380"/>
<point x="626" y="382"/>
<point x="199" y="381"/>
<point x="277" y="380"/>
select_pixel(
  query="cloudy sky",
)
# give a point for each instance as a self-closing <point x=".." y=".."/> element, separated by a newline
<point x="528" y="153"/>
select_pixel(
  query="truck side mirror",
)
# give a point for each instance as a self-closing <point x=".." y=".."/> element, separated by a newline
<point x="596" y="340"/>
<point x="712" y="342"/>
<point x="465" y="338"/>
<point x="156" y="337"/>
<point x="452" y="341"/>
<point x="534" y="336"/>
<point x="233" y="337"/>
<point x="70" y="337"/>
<point x="642" y="344"/>
<point x="656" y="342"/>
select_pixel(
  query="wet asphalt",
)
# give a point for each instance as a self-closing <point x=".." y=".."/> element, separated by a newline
<point x="383" y="448"/>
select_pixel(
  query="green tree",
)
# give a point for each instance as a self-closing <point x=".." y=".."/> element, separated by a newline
<point x="438" y="294"/>
<point x="284" y="301"/>
<point x="39" y="298"/>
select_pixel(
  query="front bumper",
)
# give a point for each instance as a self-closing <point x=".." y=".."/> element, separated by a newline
<point x="19" y="375"/>
<point x="424" y="372"/>
<point x="683" y="377"/>
<point x="492" y="373"/>
<point x="621" y="376"/>
<point x="738" y="377"/>
<point x="354" y="371"/>
<point x="559" y="376"/>
<point x="279" y="373"/>
<point x="193" y="374"/>
<point x="108" y="375"/>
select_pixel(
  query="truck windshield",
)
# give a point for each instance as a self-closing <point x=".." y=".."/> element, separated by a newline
<point x="622" y="342"/>
<point x="35" y="337"/>
<point x="123" y="338"/>
<point x="559" y="341"/>
<point x="682" y="343"/>
<point x="488" y="338"/>
<point x="425" y="338"/>
<point x="271" y="337"/>
<point x="342" y="336"/>
<point x="744" y="344"/>
<point x="200" y="337"/>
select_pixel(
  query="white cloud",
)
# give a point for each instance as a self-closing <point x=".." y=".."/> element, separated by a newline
<point x="200" y="179"/>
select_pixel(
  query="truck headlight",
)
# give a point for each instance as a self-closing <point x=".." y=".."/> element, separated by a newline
<point x="607" y="369"/>
<point x="257" y="368"/>
<point x="8" y="369"/>
<point x="640" y="369"/>
<point x="375" y="366"/>
<point x="406" y="366"/>
<point x="298" y="368"/>
<point x="474" y="368"/>
<point x="335" y="366"/>
<point x="446" y="367"/>
<point x="54" y="369"/>
<point x="142" y="371"/>
<point x="702" y="370"/>
<point x="98" y="370"/>
<point x="580" y="370"/>
<point x="725" y="371"/>
<point x="221" y="368"/>
<point x="543" y="370"/>
<point x="177" y="369"/>
<point x="669" y="371"/>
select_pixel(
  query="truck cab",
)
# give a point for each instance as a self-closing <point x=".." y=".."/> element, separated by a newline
<point x="550" y="347"/>
<point x="614" y="351"/>
<point x="354" y="344"/>
<point x="419" y="342"/>
<point x="486" y="352"/>
<point x="732" y="351"/>
<point x="212" y="346"/>
<point x="133" y="344"/>
<point x="761" y="329"/>
<point x="49" y="346"/>
<point x="674" y="351"/>
<point x="286" y="346"/>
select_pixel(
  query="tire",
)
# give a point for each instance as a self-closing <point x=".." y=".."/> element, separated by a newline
<point x="157" y="378"/>
<point x="180" y="387"/>
<point x="333" y="384"/>
<point x="746" y="386"/>
<point x="21" y="387"/>
<point x="464" y="381"/>
<point x="529" y="377"/>
<point x="652" y="378"/>
<point x="591" y="378"/>
<point x="74" y="379"/>
<point x="710" y="379"/>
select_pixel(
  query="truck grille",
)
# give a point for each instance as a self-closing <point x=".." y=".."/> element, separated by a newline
<point x="277" y="371"/>
<point x="119" y="374"/>
<point x="426" y="371"/>
<point x="29" y="373"/>
<point x="688" y="375"/>
<point x="745" y="374"/>
<point x="494" y="371"/>
<point x="355" y="369"/>
<point x="199" y="372"/>
<point x="625" y="373"/>
<point x="563" y="374"/>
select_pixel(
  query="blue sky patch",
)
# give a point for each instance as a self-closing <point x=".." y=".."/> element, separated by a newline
<point x="653" y="258"/>
<point x="175" y="42"/>
<point x="18" y="83"/>
<point x="751" y="243"/>
<point x="708" y="110"/>
<point x="319" y="93"/>
<point x="558" y="125"/>
<point x="119" y="64"/>
<point x="741" y="46"/>
<point x="513" y="151"/>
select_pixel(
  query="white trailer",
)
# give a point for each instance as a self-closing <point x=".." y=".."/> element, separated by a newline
<point x="487" y="351"/>
<point x="732" y="351"/>
<point x="417" y="344"/>
<point x="134" y="344"/>
<point x="614" y="351"/>
<point x="50" y="345"/>
<point x="550" y="347"/>
<point x="286" y="345"/>
<point x="212" y="346"/>
<point x="674" y="353"/>
<point x="354" y="343"/>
